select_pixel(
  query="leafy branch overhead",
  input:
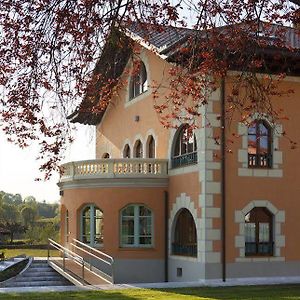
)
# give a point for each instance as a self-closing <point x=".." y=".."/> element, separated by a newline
<point x="61" y="58"/>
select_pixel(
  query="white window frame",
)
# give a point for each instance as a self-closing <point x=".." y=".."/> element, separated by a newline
<point x="136" y="235"/>
<point x="92" y="225"/>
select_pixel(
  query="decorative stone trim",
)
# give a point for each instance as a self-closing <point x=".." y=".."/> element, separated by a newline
<point x="279" y="238"/>
<point x="129" y="102"/>
<point x="182" y="201"/>
<point x="275" y="171"/>
<point x="209" y="188"/>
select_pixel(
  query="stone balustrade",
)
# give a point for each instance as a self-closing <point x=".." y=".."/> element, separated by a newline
<point x="115" y="168"/>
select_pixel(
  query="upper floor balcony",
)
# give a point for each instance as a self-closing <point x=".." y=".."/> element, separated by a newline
<point x="115" y="172"/>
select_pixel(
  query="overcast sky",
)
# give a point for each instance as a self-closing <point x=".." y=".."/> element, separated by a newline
<point x="19" y="168"/>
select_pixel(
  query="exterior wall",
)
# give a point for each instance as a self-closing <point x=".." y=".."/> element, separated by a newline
<point x="111" y="201"/>
<point x="119" y="125"/>
<point x="276" y="189"/>
<point x="197" y="188"/>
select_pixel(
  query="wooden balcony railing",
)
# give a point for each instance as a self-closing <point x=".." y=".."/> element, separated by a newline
<point x="115" y="168"/>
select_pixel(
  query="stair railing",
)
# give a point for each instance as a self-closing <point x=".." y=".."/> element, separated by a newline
<point x="66" y="253"/>
<point x="94" y="257"/>
<point x="87" y="269"/>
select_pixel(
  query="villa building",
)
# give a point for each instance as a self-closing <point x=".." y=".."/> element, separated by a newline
<point x="163" y="204"/>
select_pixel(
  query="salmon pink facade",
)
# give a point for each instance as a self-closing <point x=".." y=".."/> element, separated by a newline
<point x="163" y="204"/>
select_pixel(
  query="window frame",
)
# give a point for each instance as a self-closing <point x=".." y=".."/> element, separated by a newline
<point x="138" y="86"/>
<point x="151" y="147"/>
<point x="184" y="248"/>
<point x="255" y="161"/>
<point x="126" y="151"/>
<point x="92" y="208"/>
<point x="188" y="157"/>
<point x="136" y="224"/>
<point x="257" y="241"/>
<point x="138" y="143"/>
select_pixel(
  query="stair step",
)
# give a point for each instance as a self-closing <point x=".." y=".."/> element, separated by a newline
<point x="38" y="274"/>
<point x="40" y="270"/>
<point x="38" y="283"/>
<point x="31" y="279"/>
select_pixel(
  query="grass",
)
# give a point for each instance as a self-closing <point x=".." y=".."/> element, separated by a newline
<point x="13" y="270"/>
<point x="29" y="252"/>
<point x="288" y="292"/>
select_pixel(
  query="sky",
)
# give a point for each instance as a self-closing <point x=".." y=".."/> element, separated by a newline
<point x="19" y="168"/>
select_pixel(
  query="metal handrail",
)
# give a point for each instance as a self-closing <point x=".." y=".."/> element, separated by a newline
<point x="89" y="253"/>
<point x="110" y="263"/>
<point x="74" y="256"/>
<point x="61" y="248"/>
<point x="94" y="249"/>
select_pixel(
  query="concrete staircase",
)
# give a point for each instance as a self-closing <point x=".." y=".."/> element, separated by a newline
<point x="38" y="274"/>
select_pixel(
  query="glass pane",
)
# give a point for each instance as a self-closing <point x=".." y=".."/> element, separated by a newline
<point x="127" y="226"/>
<point x="128" y="211"/>
<point x="98" y="213"/>
<point x="252" y="129"/>
<point x="127" y="240"/>
<point x="86" y="226"/>
<point x="263" y="130"/>
<point x="145" y="226"/>
<point x="264" y="232"/>
<point x="145" y="240"/>
<point x="143" y="76"/>
<point x="86" y="238"/>
<point x="263" y="145"/>
<point x="177" y="148"/>
<point x="98" y="226"/>
<point x="86" y="212"/>
<point x="144" y="211"/>
<point x="250" y="232"/>
<point x="252" y="144"/>
<point x="98" y="239"/>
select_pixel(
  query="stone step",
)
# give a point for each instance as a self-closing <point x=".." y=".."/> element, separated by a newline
<point x="39" y="265"/>
<point x="38" y="283"/>
<point x="38" y="274"/>
<point x="38" y="278"/>
<point x="31" y="270"/>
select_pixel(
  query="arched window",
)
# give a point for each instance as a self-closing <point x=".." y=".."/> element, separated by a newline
<point x="184" y="147"/>
<point x="151" y="147"/>
<point x="138" y="81"/>
<point x="136" y="226"/>
<point x="138" y="149"/>
<point x="185" y="235"/>
<point x="126" y="151"/>
<point x="259" y="232"/>
<point x="92" y="225"/>
<point x="105" y="155"/>
<point x="260" y="145"/>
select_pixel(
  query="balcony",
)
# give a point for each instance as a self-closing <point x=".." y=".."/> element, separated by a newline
<point x="120" y="172"/>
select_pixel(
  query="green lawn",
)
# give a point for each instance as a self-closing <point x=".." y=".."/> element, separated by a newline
<point x="289" y="292"/>
<point x="28" y="252"/>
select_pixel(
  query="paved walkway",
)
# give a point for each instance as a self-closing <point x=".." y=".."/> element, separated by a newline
<point x="207" y="283"/>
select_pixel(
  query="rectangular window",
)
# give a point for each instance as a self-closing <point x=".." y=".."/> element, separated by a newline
<point x="136" y="226"/>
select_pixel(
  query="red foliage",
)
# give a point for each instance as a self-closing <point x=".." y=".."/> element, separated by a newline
<point x="48" y="50"/>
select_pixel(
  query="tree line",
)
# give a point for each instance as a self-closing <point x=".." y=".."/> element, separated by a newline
<point x="27" y="219"/>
